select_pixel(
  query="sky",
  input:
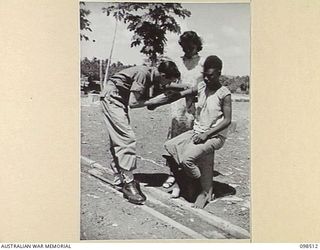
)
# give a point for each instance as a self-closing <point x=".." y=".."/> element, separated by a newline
<point x="223" y="27"/>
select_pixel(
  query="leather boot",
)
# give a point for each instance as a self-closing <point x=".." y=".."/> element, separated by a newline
<point x="139" y="189"/>
<point x="132" y="192"/>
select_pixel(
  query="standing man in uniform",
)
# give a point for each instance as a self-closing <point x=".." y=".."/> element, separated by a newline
<point x="131" y="88"/>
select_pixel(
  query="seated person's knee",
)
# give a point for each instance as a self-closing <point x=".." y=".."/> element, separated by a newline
<point x="190" y="168"/>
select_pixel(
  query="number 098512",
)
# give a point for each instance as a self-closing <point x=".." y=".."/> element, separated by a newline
<point x="309" y="246"/>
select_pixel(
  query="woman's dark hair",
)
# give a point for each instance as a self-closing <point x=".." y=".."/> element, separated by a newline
<point x="212" y="62"/>
<point x="169" y="68"/>
<point x="191" y="36"/>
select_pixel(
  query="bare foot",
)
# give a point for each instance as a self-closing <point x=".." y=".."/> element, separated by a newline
<point x="175" y="191"/>
<point x="169" y="182"/>
<point x="202" y="200"/>
<point x="213" y="196"/>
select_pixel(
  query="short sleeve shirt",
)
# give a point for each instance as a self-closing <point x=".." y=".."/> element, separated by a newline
<point x="137" y="78"/>
<point x="209" y="109"/>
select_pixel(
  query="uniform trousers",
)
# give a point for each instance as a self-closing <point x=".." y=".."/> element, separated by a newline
<point x="193" y="158"/>
<point x="122" y="137"/>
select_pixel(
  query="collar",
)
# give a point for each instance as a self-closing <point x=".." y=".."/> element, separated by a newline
<point x="212" y="91"/>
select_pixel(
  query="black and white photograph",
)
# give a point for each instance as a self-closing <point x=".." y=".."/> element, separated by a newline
<point x="165" y="121"/>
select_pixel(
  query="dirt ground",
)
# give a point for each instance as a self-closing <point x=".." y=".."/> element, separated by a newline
<point x="107" y="216"/>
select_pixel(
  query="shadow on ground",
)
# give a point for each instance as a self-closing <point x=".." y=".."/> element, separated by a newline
<point x="152" y="180"/>
<point x="157" y="179"/>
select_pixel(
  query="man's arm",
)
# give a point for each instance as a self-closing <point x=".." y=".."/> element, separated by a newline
<point x="227" y="113"/>
<point x="177" y="86"/>
<point x="170" y="96"/>
<point x="159" y="100"/>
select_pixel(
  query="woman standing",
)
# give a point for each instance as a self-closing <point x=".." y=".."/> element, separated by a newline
<point x="183" y="110"/>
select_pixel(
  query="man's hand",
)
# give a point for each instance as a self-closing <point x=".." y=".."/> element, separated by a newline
<point x="200" y="138"/>
<point x="173" y="95"/>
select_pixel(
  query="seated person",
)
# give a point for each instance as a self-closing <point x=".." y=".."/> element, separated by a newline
<point x="191" y="154"/>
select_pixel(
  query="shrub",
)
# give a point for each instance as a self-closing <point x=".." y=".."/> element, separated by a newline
<point x="236" y="84"/>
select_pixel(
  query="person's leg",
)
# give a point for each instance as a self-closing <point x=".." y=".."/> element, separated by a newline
<point x="191" y="155"/>
<point x="206" y="180"/>
<point x="170" y="181"/>
<point x="123" y="146"/>
<point x="197" y="161"/>
<point x="174" y="147"/>
<point x="179" y="125"/>
<point x="176" y="174"/>
<point x="117" y="175"/>
<point x="122" y="137"/>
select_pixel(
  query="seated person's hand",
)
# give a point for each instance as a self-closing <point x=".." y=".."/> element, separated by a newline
<point x="200" y="138"/>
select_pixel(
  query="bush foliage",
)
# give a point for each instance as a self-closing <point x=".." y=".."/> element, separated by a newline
<point x="90" y="69"/>
<point x="236" y="84"/>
